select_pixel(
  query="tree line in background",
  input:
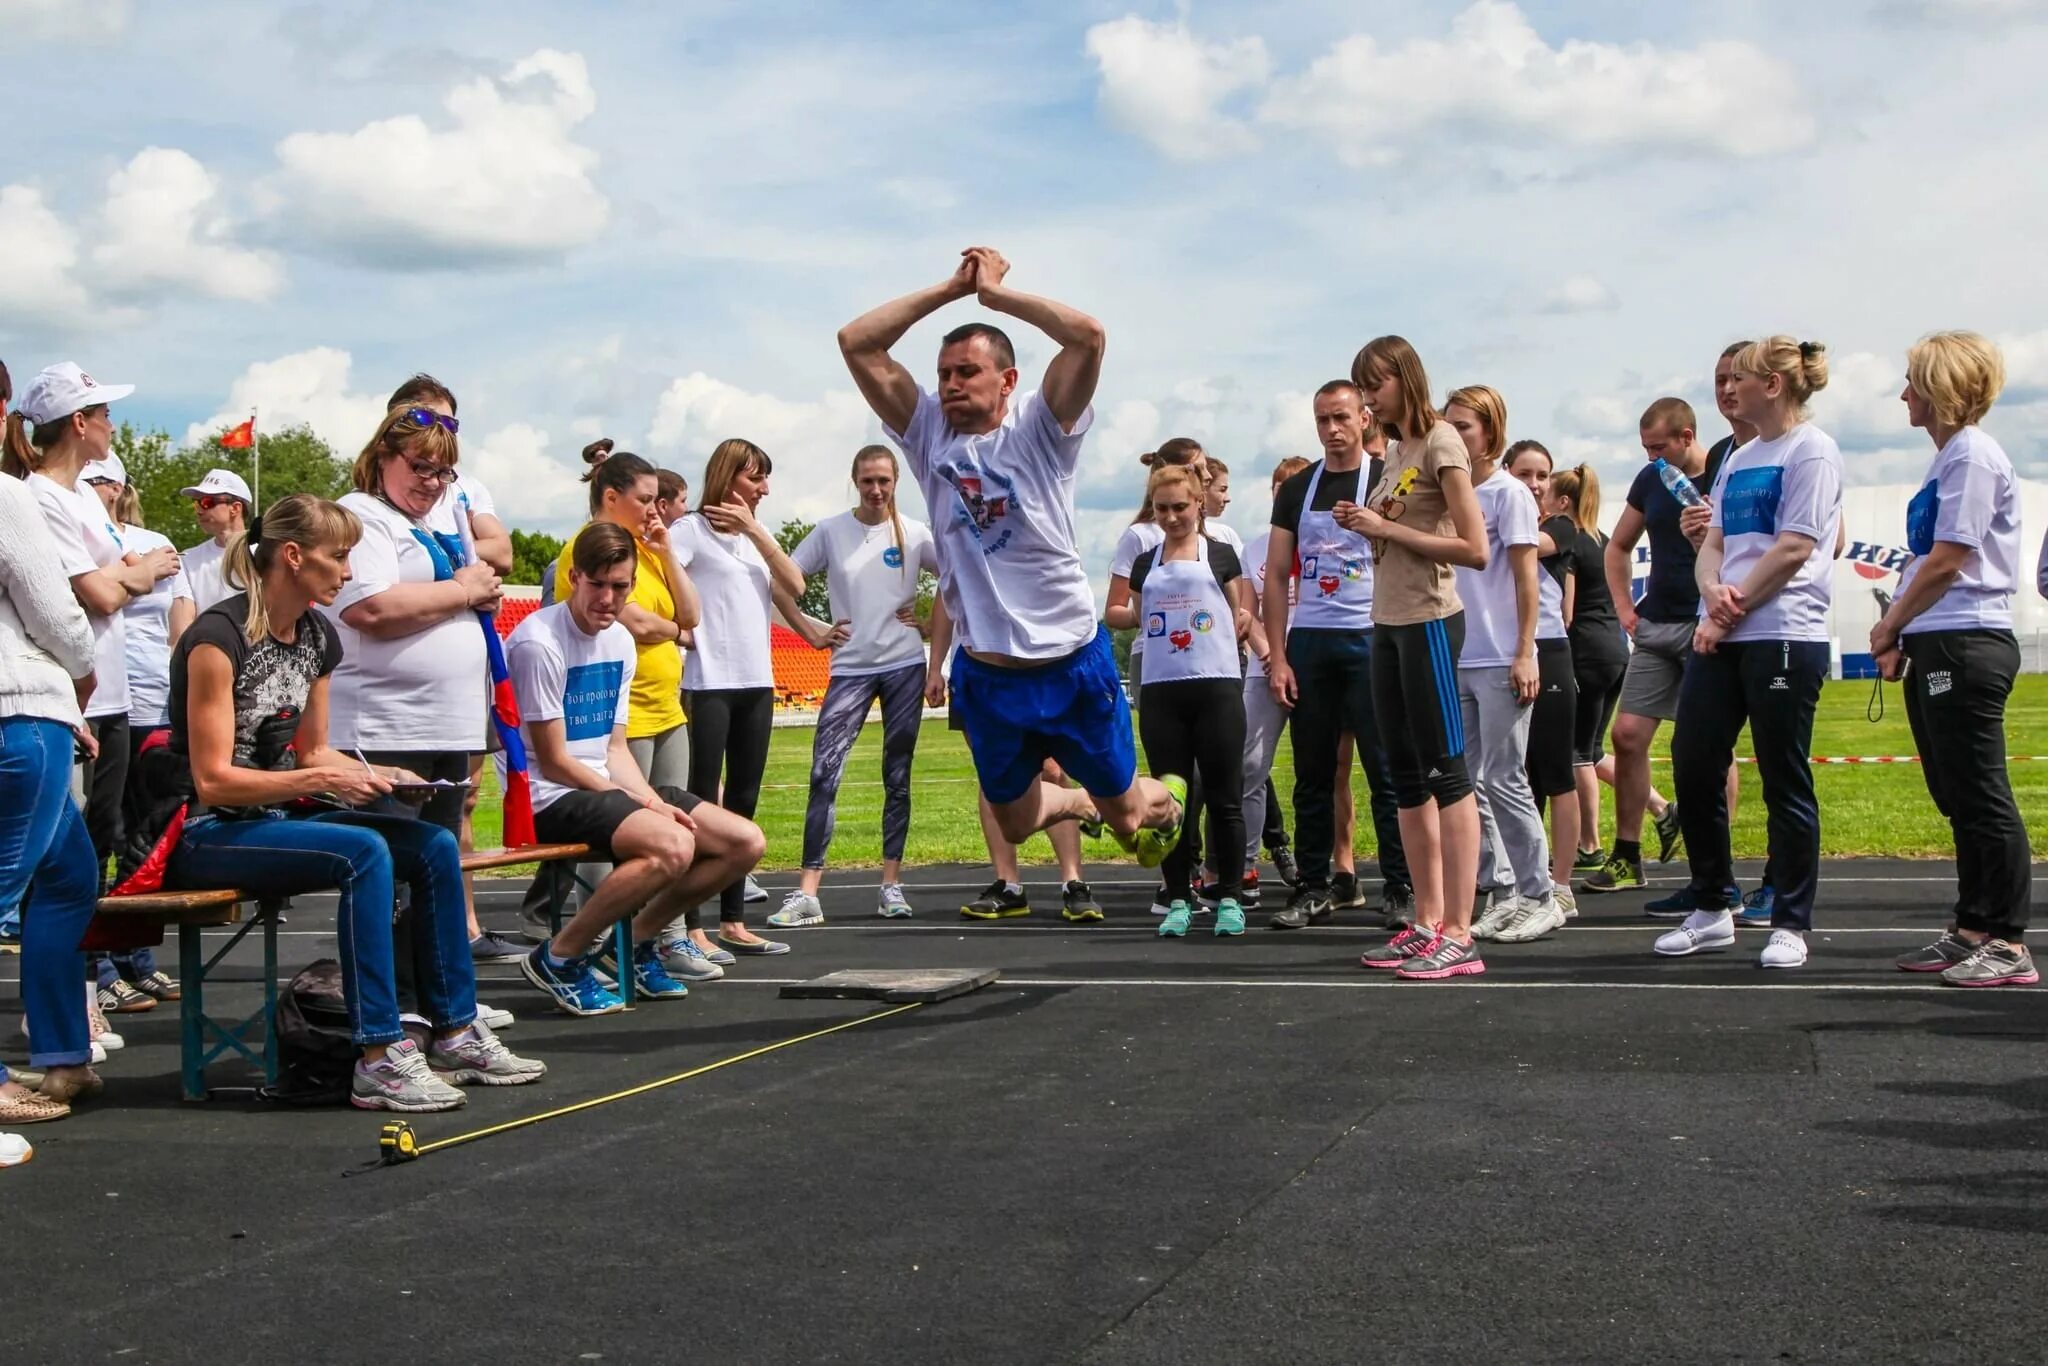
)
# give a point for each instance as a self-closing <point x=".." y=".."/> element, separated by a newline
<point x="297" y="461"/>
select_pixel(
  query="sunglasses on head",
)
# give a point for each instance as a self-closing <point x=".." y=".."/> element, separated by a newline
<point x="427" y="417"/>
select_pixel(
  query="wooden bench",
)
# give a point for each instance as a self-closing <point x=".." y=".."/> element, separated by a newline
<point x="204" y="1039"/>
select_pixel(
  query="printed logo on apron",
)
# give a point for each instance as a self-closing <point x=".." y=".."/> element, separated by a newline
<point x="1186" y="608"/>
<point x="1334" y="588"/>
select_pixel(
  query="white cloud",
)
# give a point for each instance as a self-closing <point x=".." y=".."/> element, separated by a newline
<point x="811" y="442"/>
<point x="163" y="229"/>
<point x="61" y="20"/>
<point x="531" y="487"/>
<point x="1494" y="80"/>
<point x="307" y="386"/>
<point x="1600" y="414"/>
<point x="1290" y="425"/>
<point x="505" y="182"/>
<point x="39" y="284"/>
<point x="1131" y="427"/>
<point x="1168" y="87"/>
<point x="1580" y="294"/>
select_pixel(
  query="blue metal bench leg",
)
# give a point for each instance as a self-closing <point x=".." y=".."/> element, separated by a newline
<point x="192" y="1013"/>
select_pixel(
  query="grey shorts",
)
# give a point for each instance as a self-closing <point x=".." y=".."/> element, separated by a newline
<point x="1655" y="668"/>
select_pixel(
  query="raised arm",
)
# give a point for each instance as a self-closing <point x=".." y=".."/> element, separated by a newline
<point x="881" y="378"/>
<point x="1070" y="380"/>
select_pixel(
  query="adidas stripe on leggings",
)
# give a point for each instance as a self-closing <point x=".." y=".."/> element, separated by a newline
<point x="1415" y="699"/>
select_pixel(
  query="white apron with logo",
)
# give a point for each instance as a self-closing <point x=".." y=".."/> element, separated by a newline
<point x="1334" y="588"/>
<point x="1189" y="626"/>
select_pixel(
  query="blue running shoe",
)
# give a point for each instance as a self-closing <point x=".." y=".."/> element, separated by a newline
<point x="1755" y="911"/>
<point x="1683" y="903"/>
<point x="1229" y="918"/>
<point x="574" y="987"/>
<point x="651" y="981"/>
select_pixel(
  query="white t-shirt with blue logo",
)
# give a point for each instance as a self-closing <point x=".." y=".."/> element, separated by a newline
<point x="562" y="673"/>
<point x="1972" y="499"/>
<point x="1002" y="507"/>
<point x="869" y="578"/>
<point x="1767" y="488"/>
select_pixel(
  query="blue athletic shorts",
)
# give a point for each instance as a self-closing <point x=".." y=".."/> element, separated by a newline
<point x="1072" y="710"/>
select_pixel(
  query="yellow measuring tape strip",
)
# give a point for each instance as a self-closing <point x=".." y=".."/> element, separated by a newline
<point x="645" y="1087"/>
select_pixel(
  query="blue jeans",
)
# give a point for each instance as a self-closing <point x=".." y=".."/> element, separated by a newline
<point x="47" y="868"/>
<point x="357" y="853"/>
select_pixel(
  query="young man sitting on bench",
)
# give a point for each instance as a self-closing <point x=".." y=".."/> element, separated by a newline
<point x="572" y="669"/>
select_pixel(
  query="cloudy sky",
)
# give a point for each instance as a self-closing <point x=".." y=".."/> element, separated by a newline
<point x="647" y="220"/>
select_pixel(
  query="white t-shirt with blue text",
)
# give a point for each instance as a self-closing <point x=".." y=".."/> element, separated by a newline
<point x="1768" y="488"/>
<point x="1970" y="498"/>
<point x="1002" y="508"/>
<point x="870" y="577"/>
<point x="562" y="673"/>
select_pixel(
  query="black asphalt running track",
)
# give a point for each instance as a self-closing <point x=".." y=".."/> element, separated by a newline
<point x="1127" y="1151"/>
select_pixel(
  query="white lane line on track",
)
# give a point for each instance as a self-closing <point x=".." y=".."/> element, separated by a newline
<point x="1375" y="983"/>
<point x="912" y="888"/>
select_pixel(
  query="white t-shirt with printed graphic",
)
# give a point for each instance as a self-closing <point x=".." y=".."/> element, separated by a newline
<point x="148" y="627"/>
<point x="1767" y="488"/>
<point x="1002" y="507"/>
<point x="422" y="692"/>
<point x="1970" y="498"/>
<point x="562" y="673"/>
<point x="731" y="640"/>
<point x="869" y="578"/>
<point x="87" y="540"/>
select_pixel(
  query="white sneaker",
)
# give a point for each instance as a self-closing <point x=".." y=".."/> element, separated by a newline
<point x="1500" y="909"/>
<point x="1567" y="901"/>
<point x="1786" y="949"/>
<point x="100" y="1046"/>
<point x="96" y="1026"/>
<point x="15" y="1150"/>
<point x="1701" y="932"/>
<point x="891" y="902"/>
<point x="494" y="1017"/>
<point x="684" y="961"/>
<point x="1531" y="920"/>
<point x="755" y="891"/>
<point x="798" y="910"/>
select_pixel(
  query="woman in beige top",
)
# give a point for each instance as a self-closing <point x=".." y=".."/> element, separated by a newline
<point x="1423" y="519"/>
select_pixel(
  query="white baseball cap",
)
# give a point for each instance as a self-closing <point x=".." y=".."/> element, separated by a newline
<point x="108" y="466"/>
<point x="64" y="389"/>
<point x="217" y="483"/>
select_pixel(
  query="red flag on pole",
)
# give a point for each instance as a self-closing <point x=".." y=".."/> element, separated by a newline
<point x="239" y="438"/>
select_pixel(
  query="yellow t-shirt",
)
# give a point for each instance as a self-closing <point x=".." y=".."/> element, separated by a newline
<point x="656" y="704"/>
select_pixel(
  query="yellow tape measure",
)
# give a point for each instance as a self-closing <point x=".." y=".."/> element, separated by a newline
<point x="396" y="1143"/>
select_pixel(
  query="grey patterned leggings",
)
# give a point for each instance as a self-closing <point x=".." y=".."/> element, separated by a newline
<point x="840" y="719"/>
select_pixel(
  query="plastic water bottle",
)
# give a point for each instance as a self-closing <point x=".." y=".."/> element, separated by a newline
<point x="1681" y="487"/>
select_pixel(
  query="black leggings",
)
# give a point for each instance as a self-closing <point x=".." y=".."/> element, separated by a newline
<point x="1192" y="726"/>
<point x="1599" y="682"/>
<point x="729" y="730"/>
<point x="1549" y="757"/>
<point x="1415" y="700"/>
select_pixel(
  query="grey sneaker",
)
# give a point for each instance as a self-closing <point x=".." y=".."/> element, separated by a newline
<point x="755" y="891"/>
<point x="402" y="1081"/>
<point x="891" y="902"/>
<point x="1943" y="954"/>
<point x="798" y="910"/>
<point x="1531" y="920"/>
<point x="1409" y="943"/>
<point x="684" y="961"/>
<point x="1447" y="957"/>
<point x="1346" y="894"/>
<point x="1995" y="964"/>
<point x="1500" y="909"/>
<point x="475" y="1057"/>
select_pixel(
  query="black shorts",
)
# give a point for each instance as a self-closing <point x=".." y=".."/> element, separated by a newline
<point x="1552" y="722"/>
<point x="592" y="818"/>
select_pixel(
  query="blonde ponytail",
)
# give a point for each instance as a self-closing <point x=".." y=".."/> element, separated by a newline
<point x="299" y="519"/>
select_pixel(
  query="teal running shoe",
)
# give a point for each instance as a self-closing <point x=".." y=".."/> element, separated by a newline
<point x="1229" y="918"/>
<point x="1152" y="846"/>
<point x="1177" y="921"/>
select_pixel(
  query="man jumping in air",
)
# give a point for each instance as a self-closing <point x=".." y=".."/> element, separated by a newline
<point x="1035" y="678"/>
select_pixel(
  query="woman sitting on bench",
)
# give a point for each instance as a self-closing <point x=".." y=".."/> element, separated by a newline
<point x="249" y="685"/>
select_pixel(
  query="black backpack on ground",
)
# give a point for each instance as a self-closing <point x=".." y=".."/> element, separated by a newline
<point x="316" y="1053"/>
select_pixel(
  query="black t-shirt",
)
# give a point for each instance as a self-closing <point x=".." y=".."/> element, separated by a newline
<point x="1595" y="630"/>
<point x="272" y="681"/>
<point x="1671" y="593"/>
<point x="1223" y="563"/>
<point x="1336" y="488"/>
<point x="1562" y="531"/>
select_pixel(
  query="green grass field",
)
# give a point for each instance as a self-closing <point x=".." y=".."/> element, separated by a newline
<point x="1865" y="809"/>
